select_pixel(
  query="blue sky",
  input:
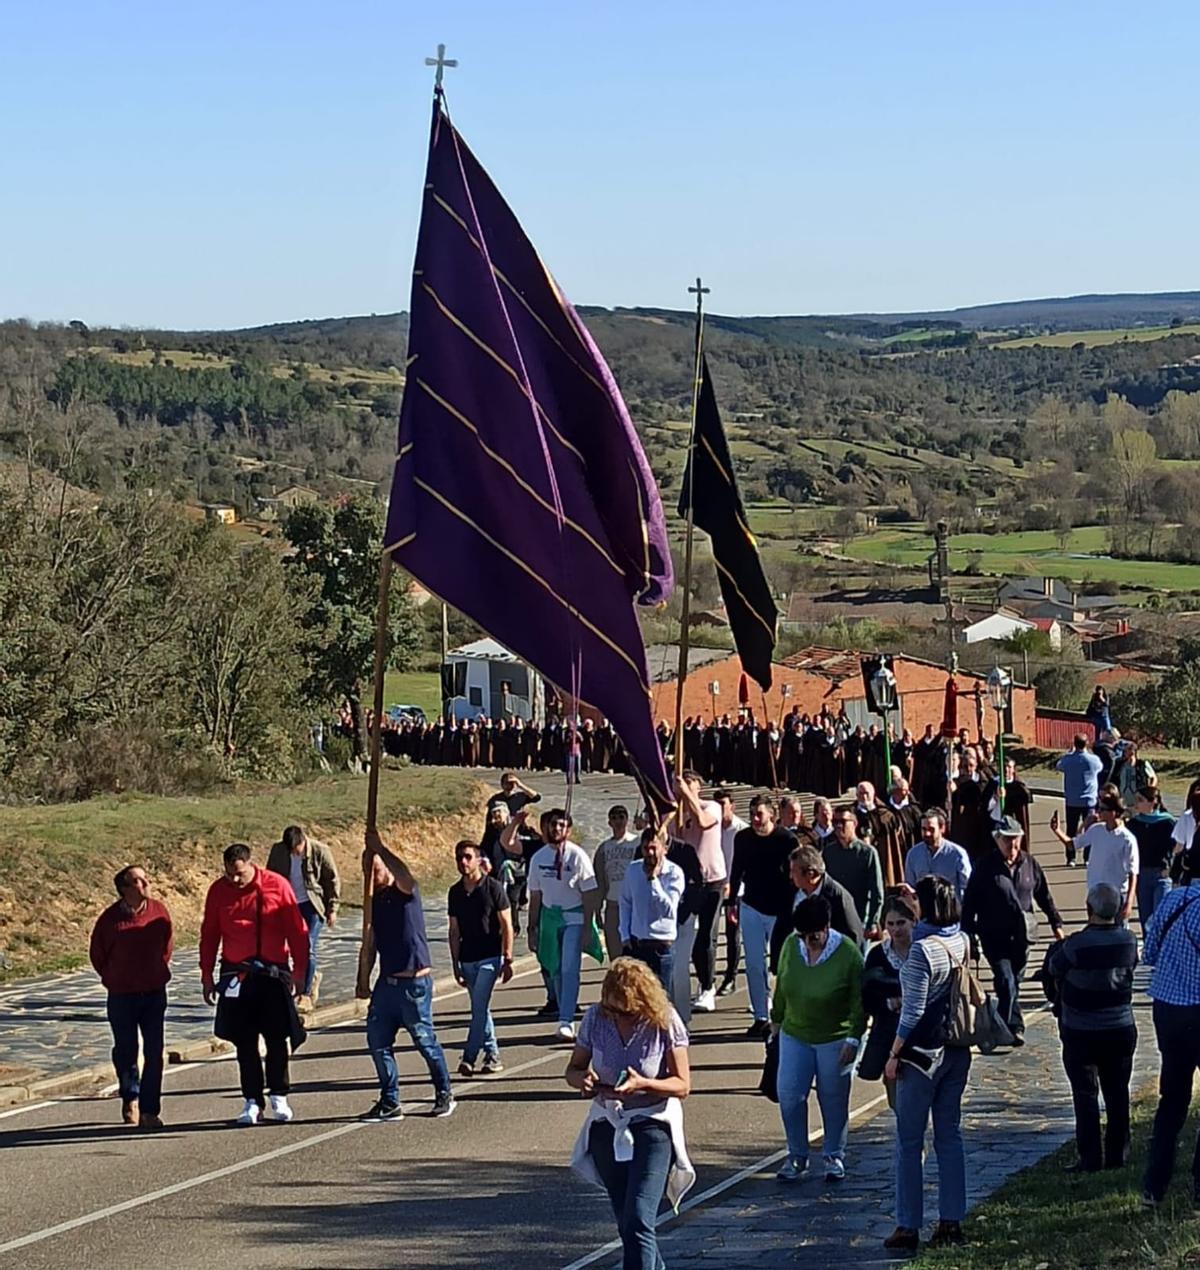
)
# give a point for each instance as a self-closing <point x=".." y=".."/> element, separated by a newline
<point x="222" y="164"/>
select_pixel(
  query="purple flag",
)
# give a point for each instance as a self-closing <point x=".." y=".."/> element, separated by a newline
<point x="521" y="494"/>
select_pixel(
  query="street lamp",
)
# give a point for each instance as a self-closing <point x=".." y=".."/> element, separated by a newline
<point x="882" y="699"/>
<point x="714" y="691"/>
<point x="999" y="690"/>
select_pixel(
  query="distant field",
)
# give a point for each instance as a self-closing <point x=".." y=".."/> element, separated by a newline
<point x="1065" y="339"/>
<point x="185" y="359"/>
<point x="1031" y="552"/>
<point x="413" y="688"/>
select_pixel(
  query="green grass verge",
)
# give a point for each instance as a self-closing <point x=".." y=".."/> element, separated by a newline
<point x="1041" y="1220"/>
<point x="69" y="852"/>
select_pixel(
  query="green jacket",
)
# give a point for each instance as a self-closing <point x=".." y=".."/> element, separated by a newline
<point x="549" y="947"/>
<point x="319" y="872"/>
<point x="817" y="1004"/>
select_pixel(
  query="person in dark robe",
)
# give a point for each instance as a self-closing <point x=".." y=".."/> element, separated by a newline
<point x="727" y="763"/>
<point x="710" y="753"/>
<point x="900" y="803"/>
<point x="853" y="753"/>
<point x="874" y="759"/>
<point x="533" y="746"/>
<point x="603" y="745"/>
<point x="970" y="815"/>
<point x="587" y="746"/>
<point x="902" y="755"/>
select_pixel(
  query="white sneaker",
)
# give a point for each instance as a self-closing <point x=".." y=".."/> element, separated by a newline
<point x="706" y="1002"/>
<point x="566" y="1032"/>
<point x="251" y="1113"/>
<point x="835" y="1170"/>
<point x="279" y="1108"/>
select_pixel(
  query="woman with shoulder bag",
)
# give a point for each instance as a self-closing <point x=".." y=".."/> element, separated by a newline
<point x="881" y="987"/>
<point x="931" y="1076"/>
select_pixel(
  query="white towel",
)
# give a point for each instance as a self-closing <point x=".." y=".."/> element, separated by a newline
<point x="682" y="1176"/>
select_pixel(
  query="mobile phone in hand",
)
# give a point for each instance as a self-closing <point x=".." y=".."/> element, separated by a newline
<point x="622" y="1077"/>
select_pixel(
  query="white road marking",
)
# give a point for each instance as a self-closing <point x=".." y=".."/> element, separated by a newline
<point x="735" y="1179"/>
<point x="33" y="1106"/>
<point x="171" y="1069"/>
<point x="139" y="1201"/>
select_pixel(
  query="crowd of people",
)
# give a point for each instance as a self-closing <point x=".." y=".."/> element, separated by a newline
<point x="854" y="928"/>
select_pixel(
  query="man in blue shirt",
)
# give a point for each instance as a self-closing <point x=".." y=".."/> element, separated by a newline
<point x="403" y="993"/>
<point x="1081" y="787"/>
<point x="936" y="854"/>
<point x="649" y="907"/>
<point x="1172" y="947"/>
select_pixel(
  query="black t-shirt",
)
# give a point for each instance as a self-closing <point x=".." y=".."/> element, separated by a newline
<point x="760" y="863"/>
<point x="517" y="801"/>
<point x="478" y="915"/>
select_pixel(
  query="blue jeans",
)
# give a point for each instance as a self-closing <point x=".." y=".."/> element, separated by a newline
<point x="799" y="1065"/>
<point x="566" y="982"/>
<point x="1152" y="889"/>
<point x="636" y="1187"/>
<point x="314" y="922"/>
<point x="660" y="957"/>
<point x="128" y="1014"/>
<point x="481" y="980"/>
<point x="917" y="1095"/>
<point x="756" y="943"/>
<point x="408" y="1004"/>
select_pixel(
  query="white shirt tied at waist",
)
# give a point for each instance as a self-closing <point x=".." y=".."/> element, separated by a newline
<point x="682" y="1176"/>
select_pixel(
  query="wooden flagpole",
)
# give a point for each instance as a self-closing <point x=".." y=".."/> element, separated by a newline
<point x="365" y="954"/>
<point x="700" y="291"/>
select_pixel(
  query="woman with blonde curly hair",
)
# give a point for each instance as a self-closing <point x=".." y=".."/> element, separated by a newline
<point x="631" y="1060"/>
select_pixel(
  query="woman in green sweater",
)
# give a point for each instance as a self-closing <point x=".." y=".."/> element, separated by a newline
<point x="817" y="1011"/>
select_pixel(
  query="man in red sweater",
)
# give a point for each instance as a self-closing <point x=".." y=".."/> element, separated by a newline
<point x="253" y="915"/>
<point x="131" y="951"/>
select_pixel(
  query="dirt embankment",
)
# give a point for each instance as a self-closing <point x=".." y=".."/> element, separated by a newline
<point x="47" y="910"/>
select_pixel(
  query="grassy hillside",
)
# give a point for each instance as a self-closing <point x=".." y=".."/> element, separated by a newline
<point x="75" y="848"/>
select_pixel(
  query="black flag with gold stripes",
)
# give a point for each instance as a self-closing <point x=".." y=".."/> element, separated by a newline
<point x="712" y="489"/>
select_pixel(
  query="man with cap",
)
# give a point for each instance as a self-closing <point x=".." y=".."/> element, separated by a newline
<point x="997" y="910"/>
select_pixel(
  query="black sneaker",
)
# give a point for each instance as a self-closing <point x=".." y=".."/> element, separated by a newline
<point x="382" y="1111"/>
<point x="443" y="1105"/>
<point x="759" y="1030"/>
<point x="549" y="1010"/>
<point x="948" y="1234"/>
<point x="1018" y="1039"/>
<point x="728" y="988"/>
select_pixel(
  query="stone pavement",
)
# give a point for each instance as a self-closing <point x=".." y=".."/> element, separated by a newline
<point x="1017" y="1111"/>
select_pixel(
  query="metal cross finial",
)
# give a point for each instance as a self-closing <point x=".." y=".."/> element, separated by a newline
<point x="698" y="290"/>
<point x="441" y="62"/>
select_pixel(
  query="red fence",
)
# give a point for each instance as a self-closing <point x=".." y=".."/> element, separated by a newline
<point x="1056" y="729"/>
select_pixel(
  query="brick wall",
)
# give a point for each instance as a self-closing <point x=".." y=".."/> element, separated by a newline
<point x="922" y="689"/>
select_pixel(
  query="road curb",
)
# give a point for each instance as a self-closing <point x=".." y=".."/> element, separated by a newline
<point x="209" y="1047"/>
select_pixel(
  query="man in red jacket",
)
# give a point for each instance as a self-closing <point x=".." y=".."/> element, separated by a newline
<point x="253" y="915"/>
<point x="131" y="951"/>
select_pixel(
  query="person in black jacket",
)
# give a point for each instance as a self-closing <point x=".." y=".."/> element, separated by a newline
<point x="1089" y="981"/>
<point x="881" y="987"/>
<point x="998" y="911"/>
<point x="806" y="867"/>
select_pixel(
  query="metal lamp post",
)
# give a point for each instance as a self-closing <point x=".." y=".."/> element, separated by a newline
<point x="999" y="690"/>
<point x="714" y="691"/>
<point x="882" y="698"/>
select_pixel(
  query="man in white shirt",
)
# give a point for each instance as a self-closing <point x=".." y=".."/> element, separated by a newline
<point x="649" y="907"/>
<point x="1109" y="849"/>
<point x="731" y="825"/>
<point x="563" y="902"/>
<point x="700" y="827"/>
<point x="613" y="856"/>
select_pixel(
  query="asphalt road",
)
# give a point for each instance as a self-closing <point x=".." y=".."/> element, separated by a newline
<point x="489" y="1183"/>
